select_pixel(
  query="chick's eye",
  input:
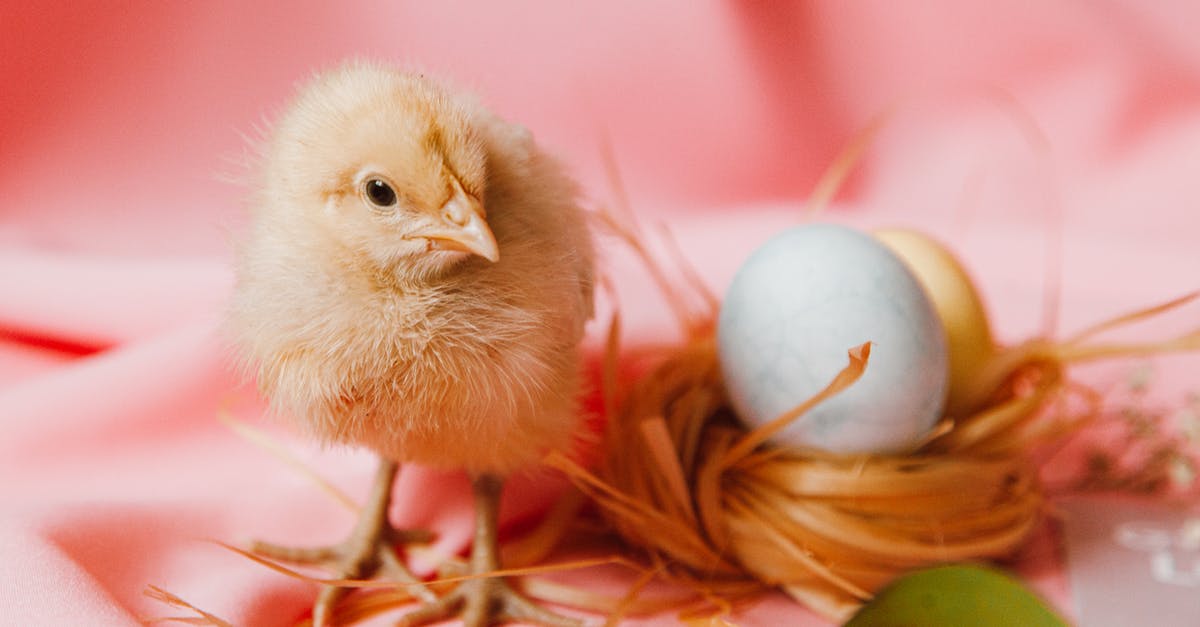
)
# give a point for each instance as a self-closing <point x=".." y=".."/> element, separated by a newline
<point x="379" y="193"/>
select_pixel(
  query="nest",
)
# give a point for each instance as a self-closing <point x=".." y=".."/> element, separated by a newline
<point x="732" y="514"/>
<point x="721" y="505"/>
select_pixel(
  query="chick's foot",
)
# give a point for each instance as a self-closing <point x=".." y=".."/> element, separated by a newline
<point x="486" y="600"/>
<point x="481" y="602"/>
<point x="369" y="551"/>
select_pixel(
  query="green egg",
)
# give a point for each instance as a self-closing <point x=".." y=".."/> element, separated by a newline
<point x="956" y="596"/>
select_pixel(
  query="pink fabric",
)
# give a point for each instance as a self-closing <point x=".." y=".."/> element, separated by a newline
<point x="1077" y="122"/>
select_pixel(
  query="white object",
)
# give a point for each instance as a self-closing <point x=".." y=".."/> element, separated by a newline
<point x="797" y="305"/>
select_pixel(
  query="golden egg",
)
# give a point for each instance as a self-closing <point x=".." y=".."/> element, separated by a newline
<point x="968" y="335"/>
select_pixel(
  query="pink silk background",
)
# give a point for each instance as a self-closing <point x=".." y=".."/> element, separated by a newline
<point x="1061" y="136"/>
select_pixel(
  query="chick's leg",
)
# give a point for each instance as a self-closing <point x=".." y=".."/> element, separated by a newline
<point x="369" y="550"/>
<point x="486" y="600"/>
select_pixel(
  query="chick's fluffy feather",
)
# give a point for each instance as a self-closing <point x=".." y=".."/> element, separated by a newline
<point x="435" y="357"/>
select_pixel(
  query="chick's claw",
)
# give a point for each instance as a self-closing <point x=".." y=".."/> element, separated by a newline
<point x="485" y="600"/>
<point x="369" y="551"/>
<point x="482" y="602"/>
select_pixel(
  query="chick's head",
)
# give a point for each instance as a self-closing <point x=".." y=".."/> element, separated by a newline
<point x="390" y="165"/>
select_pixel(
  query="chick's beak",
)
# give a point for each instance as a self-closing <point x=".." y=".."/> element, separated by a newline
<point x="463" y="228"/>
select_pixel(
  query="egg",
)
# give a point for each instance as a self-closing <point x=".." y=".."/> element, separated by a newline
<point x="797" y="305"/>
<point x="968" y="335"/>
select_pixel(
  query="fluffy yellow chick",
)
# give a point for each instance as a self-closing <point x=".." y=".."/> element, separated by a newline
<point x="416" y="280"/>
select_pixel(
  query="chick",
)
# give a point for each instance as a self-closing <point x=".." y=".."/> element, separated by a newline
<point x="415" y="280"/>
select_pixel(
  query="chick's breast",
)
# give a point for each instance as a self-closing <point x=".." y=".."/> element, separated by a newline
<point x="475" y="369"/>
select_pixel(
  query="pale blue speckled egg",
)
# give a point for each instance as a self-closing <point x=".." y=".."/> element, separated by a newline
<point x="797" y="305"/>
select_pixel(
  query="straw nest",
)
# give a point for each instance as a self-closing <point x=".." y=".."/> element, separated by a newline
<point x="733" y="514"/>
<point x="681" y="479"/>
